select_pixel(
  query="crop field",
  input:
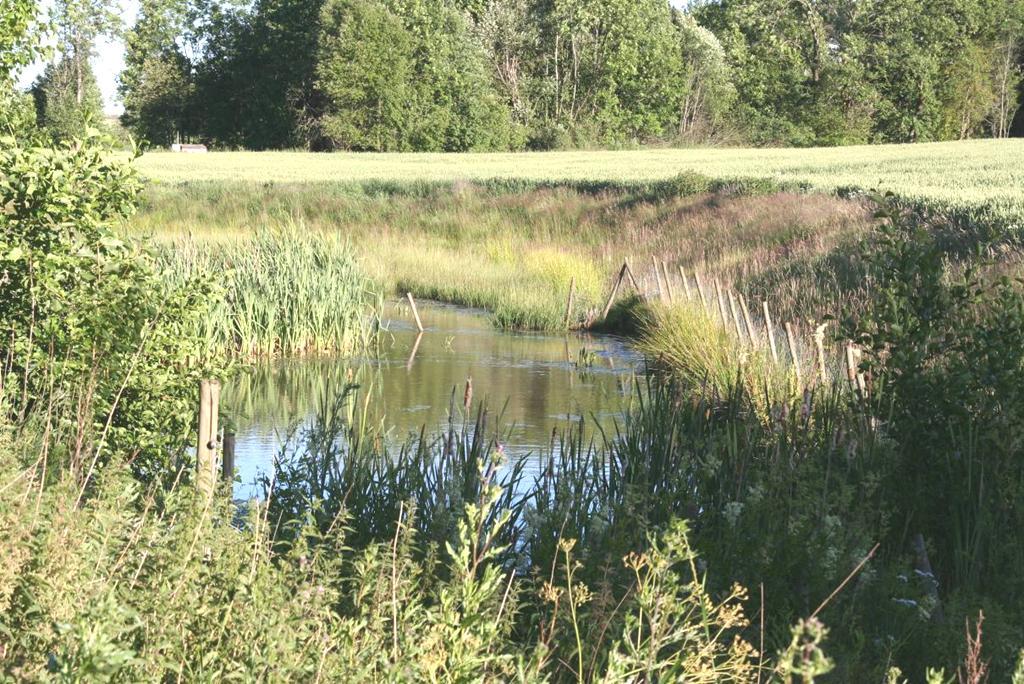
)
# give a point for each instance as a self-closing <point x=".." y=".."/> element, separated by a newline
<point x="969" y="173"/>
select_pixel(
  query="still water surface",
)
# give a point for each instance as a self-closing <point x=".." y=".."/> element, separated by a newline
<point x="541" y="382"/>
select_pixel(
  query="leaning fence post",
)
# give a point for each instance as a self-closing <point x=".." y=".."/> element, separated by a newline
<point x="657" y="278"/>
<point x="791" y="338"/>
<point x="206" y="449"/>
<point x="415" y="313"/>
<point x="819" y="342"/>
<point x="771" y="332"/>
<point x="721" y="304"/>
<point x="668" y="283"/>
<point x="615" y="291"/>
<point x="686" y="284"/>
<point x="632" y="278"/>
<point x="746" y="319"/>
<point x="700" y="289"/>
<point x="735" y="316"/>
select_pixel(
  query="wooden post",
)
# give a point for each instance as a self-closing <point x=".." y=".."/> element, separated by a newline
<point x="819" y="342"/>
<point x="851" y="369"/>
<point x="700" y="290"/>
<point x="735" y="316"/>
<point x="568" y="304"/>
<point x="686" y="284"/>
<point x="206" y="449"/>
<point x="227" y="464"/>
<point x="668" y="282"/>
<point x="791" y="338"/>
<point x="857" y="381"/>
<point x="771" y="332"/>
<point x="632" y="279"/>
<point x="657" y="277"/>
<point x="615" y="291"/>
<point x="415" y="313"/>
<point x="721" y="303"/>
<point x="746" y="319"/>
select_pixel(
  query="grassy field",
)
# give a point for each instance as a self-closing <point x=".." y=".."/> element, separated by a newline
<point x="968" y="173"/>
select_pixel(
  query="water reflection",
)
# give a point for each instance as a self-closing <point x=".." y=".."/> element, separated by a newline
<point x="536" y="382"/>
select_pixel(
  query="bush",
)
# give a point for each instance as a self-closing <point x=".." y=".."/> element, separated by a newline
<point x="88" y="326"/>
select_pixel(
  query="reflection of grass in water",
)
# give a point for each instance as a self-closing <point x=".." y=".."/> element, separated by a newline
<point x="278" y="394"/>
<point x="406" y="396"/>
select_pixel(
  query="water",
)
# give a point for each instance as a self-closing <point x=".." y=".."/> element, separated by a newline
<point x="537" y="382"/>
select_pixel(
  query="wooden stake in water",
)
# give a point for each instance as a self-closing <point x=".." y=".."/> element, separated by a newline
<point x="415" y="313"/>
<point x="568" y="305"/>
<point x="206" y="448"/>
<point x="412" y="354"/>
<point x="686" y="284"/>
<point x="668" y="282"/>
<point x="791" y="338"/>
<point x="771" y="332"/>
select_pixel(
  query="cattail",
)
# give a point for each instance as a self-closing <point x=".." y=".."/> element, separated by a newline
<point x="467" y="398"/>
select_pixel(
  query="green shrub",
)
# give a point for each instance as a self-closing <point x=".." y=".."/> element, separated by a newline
<point x="88" y="326"/>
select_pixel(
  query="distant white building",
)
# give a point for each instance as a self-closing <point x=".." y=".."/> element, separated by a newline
<point x="188" y="148"/>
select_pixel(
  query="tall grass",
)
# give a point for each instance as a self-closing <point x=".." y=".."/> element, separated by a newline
<point x="146" y="584"/>
<point x="514" y="251"/>
<point x="286" y="291"/>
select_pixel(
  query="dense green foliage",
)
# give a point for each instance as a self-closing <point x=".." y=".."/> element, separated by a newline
<point x="58" y="107"/>
<point x="501" y="74"/>
<point x="405" y="76"/>
<point x="19" y="45"/>
<point x="90" y="328"/>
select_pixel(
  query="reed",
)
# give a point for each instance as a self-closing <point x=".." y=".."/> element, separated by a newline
<point x="285" y="292"/>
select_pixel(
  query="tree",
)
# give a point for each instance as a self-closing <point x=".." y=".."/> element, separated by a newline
<point x="67" y="99"/>
<point x="19" y="37"/>
<point x="19" y="44"/>
<point x="366" y="72"/>
<point x="280" y="101"/>
<point x="406" y="75"/>
<point x="1008" y="69"/>
<point x="156" y="85"/>
<point x="157" y="105"/>
<point x="707" y="89"/>
<point x="79" y="24"/>
<point x="609" y="69"/>
<point x="505" y="30"/>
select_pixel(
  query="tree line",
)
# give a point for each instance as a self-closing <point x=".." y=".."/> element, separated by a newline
<point x="457" y="75"/>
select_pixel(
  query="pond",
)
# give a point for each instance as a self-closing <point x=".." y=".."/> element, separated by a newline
<point x="536" y="383"/>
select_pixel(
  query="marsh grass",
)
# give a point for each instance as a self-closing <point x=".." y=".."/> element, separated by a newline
<point x="513" y="249"/>
<point x="285" y="291"/>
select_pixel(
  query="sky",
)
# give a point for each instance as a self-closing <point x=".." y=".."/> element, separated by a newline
<point x="109" y="59"/>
